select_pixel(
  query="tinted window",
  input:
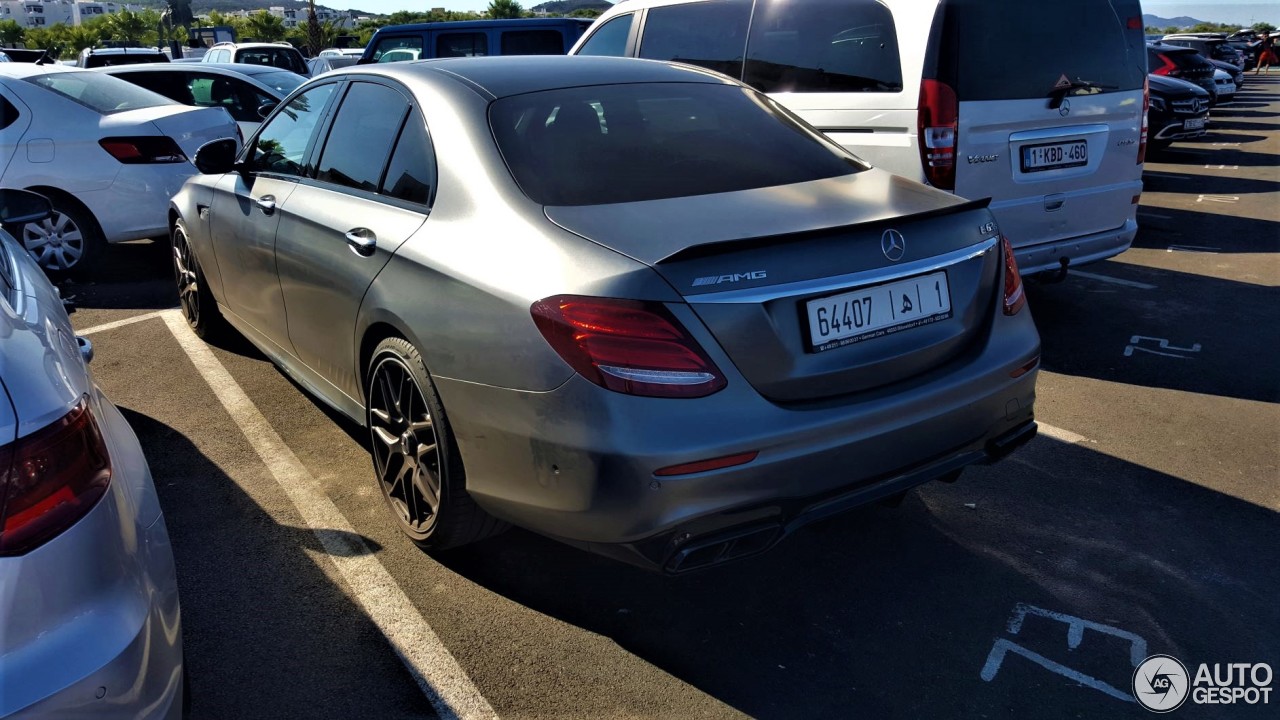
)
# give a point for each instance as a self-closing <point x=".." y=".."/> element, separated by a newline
<point x="462" y="45"/>
<point x="364" y="130"/>
<point x="8" y="113"/>
<point x="532" y="42"/>
<point x="100" y="93"/>
<point x="823" y="46"/>
<point x="412" y="173"/>
<point x="282" y="143"/>
<point x="406" y="42"/>
<point x="239" y="98"/>
<point x="625" y="143"/>
<point x="283" y="58"/>
<point x="1094" y="41"/>
<point x="284" y="81"/>
<point x="170" y="85"/>
<point x="610" y="39"/>
<point x="710" y="34"/>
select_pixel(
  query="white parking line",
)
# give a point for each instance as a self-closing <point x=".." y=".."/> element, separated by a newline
<point x="118" y="323"/>
<point x="445" y="683"/>
<point x="1117" y="281"/>
<point x="1060" y="435"/>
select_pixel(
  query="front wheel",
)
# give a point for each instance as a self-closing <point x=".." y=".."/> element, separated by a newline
<point x="198" y="305"/>
<point x="415" y="457"/>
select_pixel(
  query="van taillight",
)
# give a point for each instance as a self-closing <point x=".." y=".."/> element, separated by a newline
<point x="631" y="347"/>
<point x="1014" y="295"/>
<point x="1146" y="106"/>
<point x="51" y="479"/>
<point x="143" y="149"/>
<point x="937" y="121"/>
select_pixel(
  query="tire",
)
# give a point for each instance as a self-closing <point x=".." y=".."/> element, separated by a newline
<point x="194" y="296"/>
<point x="416" y="462"/>
<point x="65" y="244"/>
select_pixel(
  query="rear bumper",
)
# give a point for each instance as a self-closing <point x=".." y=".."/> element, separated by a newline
<point x="1076" y="251"/>
<point x="578" y="463"/>
<point x="136" y="206"/>
<point x="89" y="622"/>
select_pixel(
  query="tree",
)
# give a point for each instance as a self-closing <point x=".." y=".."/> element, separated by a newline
<point x="82" y="36"/>
<point x="11" y="32"/>
<point x="315" y="33"/>
<point x="127" y="25"/>
<point x="503" y="9"/>
<point x="585" y="13"/>
<point x="1172" y="29"/>
<point x="264" y="26"/>
<point x="1263" y="27"/>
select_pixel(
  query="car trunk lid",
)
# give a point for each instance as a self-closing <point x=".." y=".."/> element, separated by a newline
<point x="803" y="285"/>
<point x="189" y="127"/>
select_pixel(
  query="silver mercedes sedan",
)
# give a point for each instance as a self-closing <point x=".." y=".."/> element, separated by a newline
<point x="636" y="306"/>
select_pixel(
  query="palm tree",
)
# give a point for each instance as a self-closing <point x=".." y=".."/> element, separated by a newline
<point x="502" y="9"/>
<point x="264" y="26"/>
<point x="126" y="25"/>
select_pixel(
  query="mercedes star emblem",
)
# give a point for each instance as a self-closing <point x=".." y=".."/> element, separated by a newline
<point x="1065" y="109"/>
<point x="893" y="245"/>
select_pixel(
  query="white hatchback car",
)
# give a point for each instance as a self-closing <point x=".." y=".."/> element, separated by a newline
<point x="89" y="618"/>
<point x="108" y="155"/>
<point x="1036" y="105"/>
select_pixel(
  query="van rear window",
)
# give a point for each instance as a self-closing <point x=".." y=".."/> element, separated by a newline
<point x="532" y="42"/>
<point x="1099" y="42"/>
<point x="823" y="46"/>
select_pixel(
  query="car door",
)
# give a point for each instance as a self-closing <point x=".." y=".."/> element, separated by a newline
<point x="338" y="230"/>
<point x="14" y="119"/>
<point x="245" y="212"/>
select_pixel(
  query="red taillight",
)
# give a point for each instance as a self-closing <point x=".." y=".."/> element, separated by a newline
<point x="1014" y="297"/>
<point x="1146" y="105"/>
<point x="1169" y="68"/>
<point x="142" y="150"/>
<point x="631" y="347"/>
<point x="55" y="476"/>
<point x="705" y="465"/>
<point x="937" y="121"/>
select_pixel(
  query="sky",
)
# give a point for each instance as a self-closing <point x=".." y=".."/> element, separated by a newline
<point x="1241" y="11"/>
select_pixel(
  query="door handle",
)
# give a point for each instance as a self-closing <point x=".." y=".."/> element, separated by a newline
<point x="267" y="203"/>
<point x="362" y="241"/>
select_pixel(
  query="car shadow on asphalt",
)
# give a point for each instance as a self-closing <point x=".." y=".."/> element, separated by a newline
<point x="1193" y="155"/>
<point x="266" y="632"/>
<point x="1159" y="181"/>
<point x="129" y="276"/>
<point x="1162" y="228"/>
<point x="895" y="612"/>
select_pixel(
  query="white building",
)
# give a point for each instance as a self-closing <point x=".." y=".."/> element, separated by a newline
<point x="43" y="13"/>
<point x="294" y="18"/>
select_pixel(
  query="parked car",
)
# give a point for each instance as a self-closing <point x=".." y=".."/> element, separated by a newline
<point x="342" y="52"/>
<point x="737" y="326"/>
<point x="4" y="58"/>
<point x="106" y="57"/>
<point x="1235" y="73"/>
<point x="107" y="154"/>
<point x="1183" y="63"/>
<point x="238" y="88"/>
<point x="282" y="56"/>
<point x="1211" y="47"/>
<point x="1226" y="88"/>
<point x="1179" y="111"/>
<point x="918" y="89"/>
<point x="89" y="618"/>
<point x="474" y="38"/>
<point x="325" y="63"/>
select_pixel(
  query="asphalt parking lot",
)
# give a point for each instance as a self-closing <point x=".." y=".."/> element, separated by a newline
<point x="1144" y="520"/>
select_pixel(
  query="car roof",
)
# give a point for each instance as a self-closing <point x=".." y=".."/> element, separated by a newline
<point x="255" y="45"/>
<point x="505" y="75"/>
<point x="217" y="68"/>
<point x="25" y="70"/>
<point x="1163" y="47"/>
<point x="482" y="24"/>
<point x="122" y="51"/>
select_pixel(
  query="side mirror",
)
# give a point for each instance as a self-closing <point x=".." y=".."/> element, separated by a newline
<point x="18" y="207"/>
<point x="265" y="109"/>
<point x="217" y="157"/>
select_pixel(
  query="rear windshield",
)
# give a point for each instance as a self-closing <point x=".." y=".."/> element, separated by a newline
<point x="1094" y="42"/>
<point x="101" y="93"/>
<point x="627" y="143"/>
<point x="283" y="81"/>
<point x="112" y="59"/>
<point x="283" y="58"/>
<point x="823" y="46"/>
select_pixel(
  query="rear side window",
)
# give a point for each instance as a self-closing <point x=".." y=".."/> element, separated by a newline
<point x="240" y="99"/>
<point x="411" y="176"/>
<point x="532" y="42"/>
<point x="710" y="34"/>
<point x="1099" y="42"/>
<point x="611" y="39"/>
<point x="823" y="46"/>
<point x="647" y="141"/>
<point x="363" y="133"/>
<point x="101" y="93"/>
<point x="462" y="45"/>
<point x="405" y="42"/>
<point x="8" y="113"/>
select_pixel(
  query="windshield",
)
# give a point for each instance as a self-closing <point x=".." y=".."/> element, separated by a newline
<point x="648" y="141"/>
<point x="282" y="80"/>
<point x="101" y="93"/>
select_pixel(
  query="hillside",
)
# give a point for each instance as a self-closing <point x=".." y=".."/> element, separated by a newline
<point x="564" y="7"/>
<point x="1178" y="22"/>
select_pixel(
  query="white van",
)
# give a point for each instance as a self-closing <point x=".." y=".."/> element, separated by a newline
<point x="1040" y="106"/>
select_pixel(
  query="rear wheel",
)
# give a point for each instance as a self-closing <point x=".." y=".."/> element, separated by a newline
<point x="66" y="243"/>
<point x="415" y="458"/>
<point x="198" y="305"/>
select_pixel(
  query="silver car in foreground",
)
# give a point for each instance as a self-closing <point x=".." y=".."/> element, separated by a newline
<point x="633" y="305"/>
<point x="89" y="620"/>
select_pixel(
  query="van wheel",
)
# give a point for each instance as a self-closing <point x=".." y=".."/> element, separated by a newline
<point x="415" y="456"/>
<point x="65" y="244"/>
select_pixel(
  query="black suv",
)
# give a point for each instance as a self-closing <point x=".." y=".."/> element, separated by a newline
<point x="1184" y="64"/>
<point x="1216" y="48"/>
<point x="1179" y="110"/>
